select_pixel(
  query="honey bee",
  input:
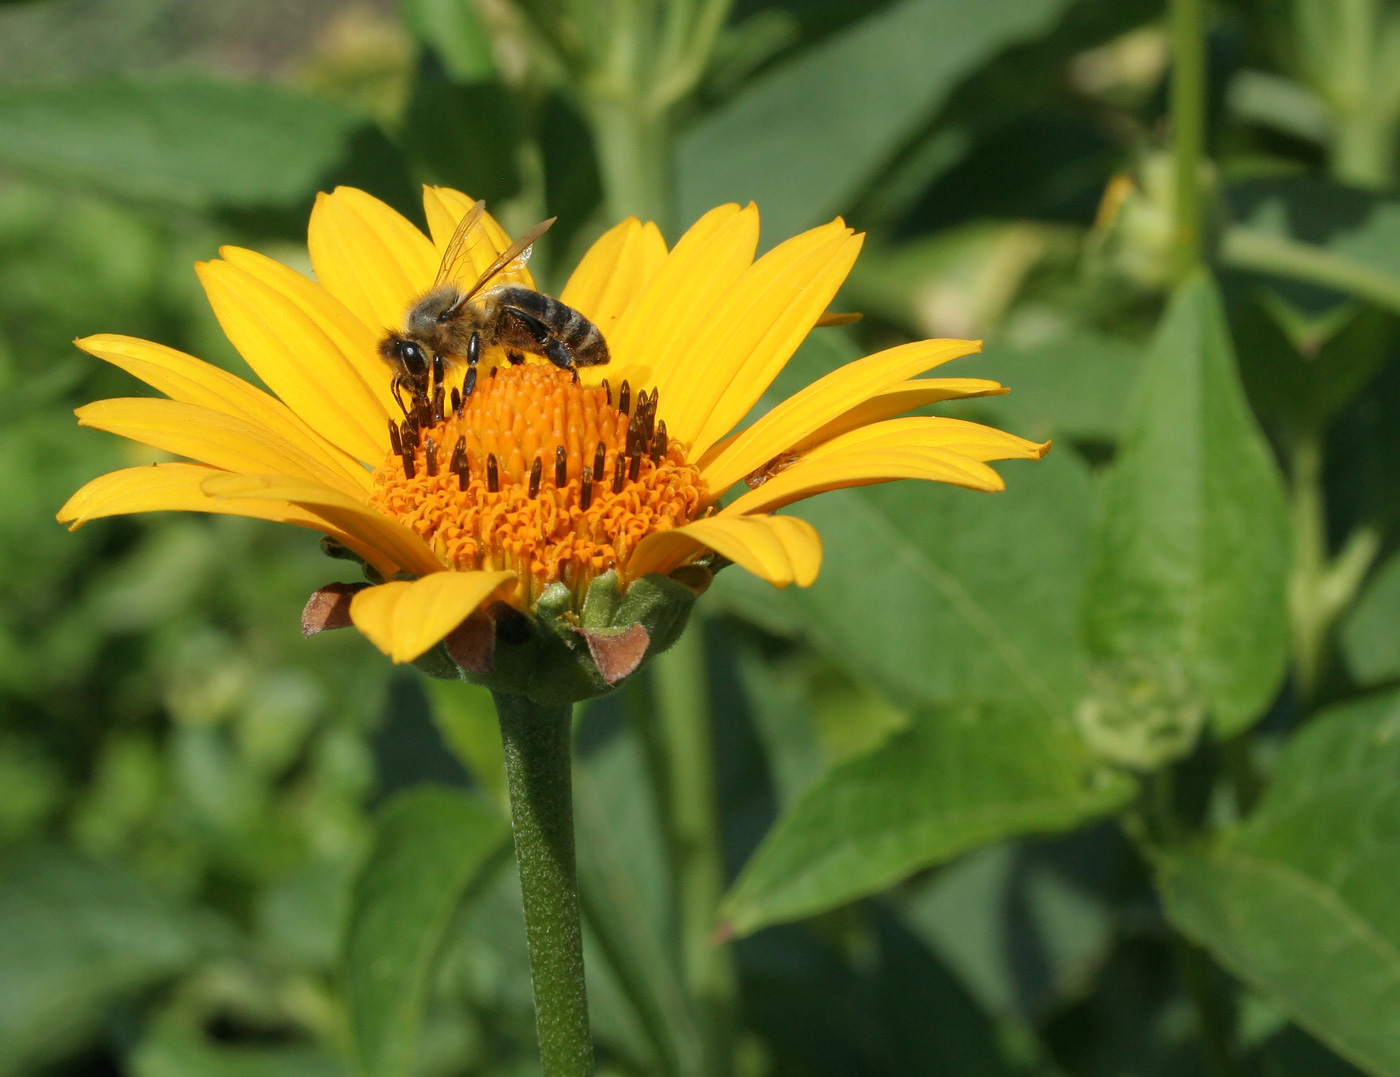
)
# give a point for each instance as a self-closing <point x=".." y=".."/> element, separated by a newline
<point x="448" y="325"/>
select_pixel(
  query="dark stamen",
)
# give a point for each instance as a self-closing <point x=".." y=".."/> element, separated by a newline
<point x="470" y="383"/>
<point x="430" y="455"/>
<point x="624" y="398"/>
<point x="493" y="370"/>
<point x="409" y="470"/>
<point x="458" y="466"/>
<point x="651" y="413"/>
<point x="585" y="495"/>
<point x="536" y="471"/>
<point x="493" y="477"/>
<point x="425" y="412"/>
<point x="395" y="442"/>
<point x="619" y="474"/>
<point x="658" y="443"/>
<point x="456" y="401"/>
<point x="607" y="389"/>
<point x="600" y="459"/>
<point x="410" y="434"/>
<point x="561" y="467"/>
<point x="634" y="467"/>
<point x="515" y="358"/>
<point x="438" y="415"/>
<point x="636" y="430"/>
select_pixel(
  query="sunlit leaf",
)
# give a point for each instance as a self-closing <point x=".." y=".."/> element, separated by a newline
<point x="959" y="778"/>
<point x="1299" y="901"/>
<point x="1192" y="551"/>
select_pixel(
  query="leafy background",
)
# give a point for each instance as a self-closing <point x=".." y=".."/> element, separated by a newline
<point x="1095" y="777"/>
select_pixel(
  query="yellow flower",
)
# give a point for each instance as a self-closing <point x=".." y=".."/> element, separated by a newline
<point x="539" y="478"/>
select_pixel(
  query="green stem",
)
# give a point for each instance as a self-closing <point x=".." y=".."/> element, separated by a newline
<point x="633" y="141"/>
<point x="537" y="740"/>
<point x="1307" y="514"/>
<point x="1188" y="105"/>
<point x="1243" y="247"/>
<point x="687" y="786"/>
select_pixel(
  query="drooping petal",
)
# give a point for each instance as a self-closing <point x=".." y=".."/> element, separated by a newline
<point x="405" y="620"/>
<point x="779" y="549"/>
<point x="808" y="477"/>
<point x="296" y="357"/>
<point x="936" y="432"/>
<point x="671" y="307"/>
<point x="444" y="209"/>
<point x="192" y="381"/>
<point x="369" y="257"/>
<point x="397" y="543"/>
<point x="612" y="274"/>
<point x="752" y="334"/>
<point x="177" y="487"/>
<point x="803" y="414"/>
<point x="351" y="337"/>
<point x="212" y="437"/>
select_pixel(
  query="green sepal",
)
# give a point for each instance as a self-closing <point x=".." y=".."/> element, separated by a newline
<point x="546" y="655"/>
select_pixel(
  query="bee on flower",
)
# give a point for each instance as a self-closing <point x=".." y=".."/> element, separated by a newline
<point x="509" y="500"/>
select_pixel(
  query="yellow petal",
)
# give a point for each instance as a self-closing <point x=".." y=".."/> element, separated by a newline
<point x="356" y="344"/>
<point x="192" y="381"/>
<point x="808" y="477"/>
<point x="906" y="396"/>
<point x="444" y="208"/>
<point x="211" y="437"/>
<point x="739" y="365"/>
<point x="405" y="548"/>
<point x="369" y="257"/>
<point x="806" y="412"/>
<point x="295" y="356"/>
<point x="176" y="487"/>
<point x="779" y="549"/>
<point x="672" y="306"/>
<point x="405" y="620"/>
<point x="613" y="273"/>
<point x="936" y="432"/>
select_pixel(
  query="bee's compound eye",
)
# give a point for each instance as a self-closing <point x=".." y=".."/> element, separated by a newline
<point x="415" y="363"/>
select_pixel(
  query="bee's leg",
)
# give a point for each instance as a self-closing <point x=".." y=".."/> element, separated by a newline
<point x="557" y="353"/>
<point x="525" y="331"/>
<point x="439" y="370"/>
<point x="474" y="350"/>
<point x="399" y="383"/>
<point x="469" y="383"/>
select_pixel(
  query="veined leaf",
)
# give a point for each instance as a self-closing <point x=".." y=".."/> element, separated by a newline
<point x="431" y="846"/>
<point x="958" y="778"/>
<point x="1300" y="900"/>
<point x="1192" y="550"/>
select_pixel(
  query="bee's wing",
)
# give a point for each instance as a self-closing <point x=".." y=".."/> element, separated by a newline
<point x="458" y="249"/>
<point x="518" y="253"/>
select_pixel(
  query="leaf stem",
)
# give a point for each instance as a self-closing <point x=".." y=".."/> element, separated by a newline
<point x="683" y="753"/>
<point x="1211" y="1012"/>
<point x="1188" y="107"/>
<point x="537" y="740"/>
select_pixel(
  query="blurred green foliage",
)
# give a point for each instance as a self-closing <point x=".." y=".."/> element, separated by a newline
<point x="1092" y="778"/>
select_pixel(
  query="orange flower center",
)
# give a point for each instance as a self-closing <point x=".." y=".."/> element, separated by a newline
<point x="539" y="474"/>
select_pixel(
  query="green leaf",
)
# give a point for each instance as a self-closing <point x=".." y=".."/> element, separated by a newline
<point x="74" y="936"/>
<point x="1299" y="900"/>
<point x="804" y="139"/>
<point x="958" y="778"/>
<point x="938" y="595"/>
<point x="185" y="141"/>
<point x="1370" y="635"/>
<point x="1191" y="555"/>
<point x="432" y="845"/>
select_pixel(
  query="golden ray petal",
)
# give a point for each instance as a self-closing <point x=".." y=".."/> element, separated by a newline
<point x="212" y="437"/>
<point x="972" y="440"/>
<point x="405" y="620"/>
<point x="779" y="549"/>
<point x="369" y="257"/>
<point x="799" y="416"/>
<point x="612" y="274"/>
<point x="395" y="541"/>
